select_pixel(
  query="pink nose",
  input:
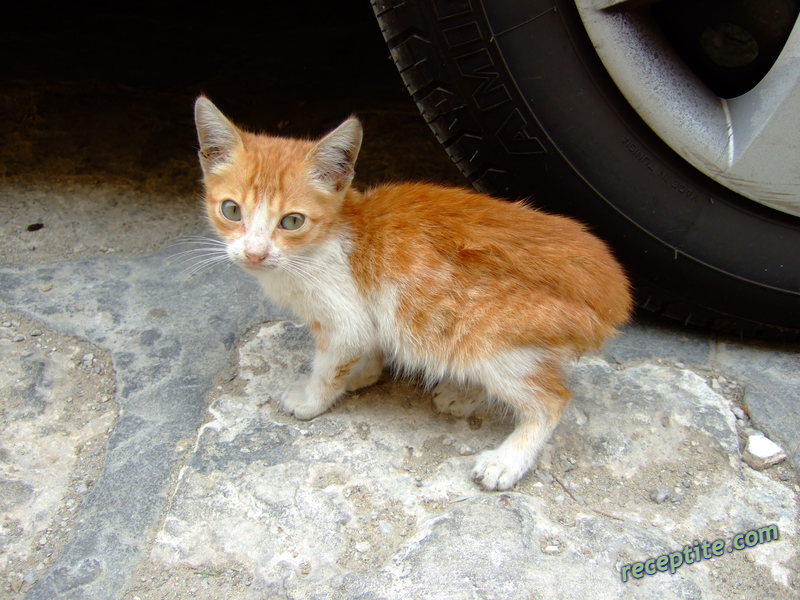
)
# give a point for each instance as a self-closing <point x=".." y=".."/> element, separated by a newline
<point x="255" y="258"/>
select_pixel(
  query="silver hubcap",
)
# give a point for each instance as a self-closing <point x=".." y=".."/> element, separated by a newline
<point x="750" y="144"/>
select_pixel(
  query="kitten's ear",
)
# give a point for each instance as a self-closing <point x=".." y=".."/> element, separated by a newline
<point x="332" y="161"/>
<point x="218" y="137"/>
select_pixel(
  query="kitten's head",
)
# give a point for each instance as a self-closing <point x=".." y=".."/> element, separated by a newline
<point x="269" y="198"/>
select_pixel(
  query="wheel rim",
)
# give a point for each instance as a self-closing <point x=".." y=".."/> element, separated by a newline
<point x="749" y="144"/>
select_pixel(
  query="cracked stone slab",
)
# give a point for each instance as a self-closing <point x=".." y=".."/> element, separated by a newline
<point x="762" y="378"/>
<point x="57" y="411"/>
<point x="374" y="500"/>
<point x="771" y="378"/>
<point x="168" y="336"/>
<point x="382" y="479"/>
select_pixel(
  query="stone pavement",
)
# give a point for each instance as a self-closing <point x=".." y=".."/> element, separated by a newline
<point x="143" y="457"/>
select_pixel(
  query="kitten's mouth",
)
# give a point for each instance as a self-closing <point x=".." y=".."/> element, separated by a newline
<point x="261" y="266"/>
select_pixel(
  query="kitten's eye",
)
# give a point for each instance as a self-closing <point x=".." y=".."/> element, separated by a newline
<point x="231" y="211"/>
<point x="292" y="221"/>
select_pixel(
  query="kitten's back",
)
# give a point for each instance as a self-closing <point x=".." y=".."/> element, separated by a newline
<point x="491" y="273"/>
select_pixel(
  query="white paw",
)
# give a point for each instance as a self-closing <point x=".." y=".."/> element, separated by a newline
<point x="365" y="374"/>
<point x="498" y="470"/>
<point x="298" y="402"/>
<point x="456" y="401"/>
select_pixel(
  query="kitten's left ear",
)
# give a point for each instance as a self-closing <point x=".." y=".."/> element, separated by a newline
<point x="332" y="161"/>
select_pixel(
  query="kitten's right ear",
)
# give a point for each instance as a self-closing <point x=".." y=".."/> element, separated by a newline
<point x="218" y="137"/>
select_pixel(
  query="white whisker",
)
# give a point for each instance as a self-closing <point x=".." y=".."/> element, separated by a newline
<point x="315" y="278"/>
<point x="205" y="265"/>
<point x="199" y="239"/>
<point x="301" y="273"/>
<point x="205" y="255"/>
<point x="308" y="260"/>
<point x="184" y="257"/>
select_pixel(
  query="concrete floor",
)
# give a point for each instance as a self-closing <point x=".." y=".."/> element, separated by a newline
<point x="142" y="454"/>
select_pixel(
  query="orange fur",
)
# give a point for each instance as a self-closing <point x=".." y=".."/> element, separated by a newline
<point x="462" y="286"/>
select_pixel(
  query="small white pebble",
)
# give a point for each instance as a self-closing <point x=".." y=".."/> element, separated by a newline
<point x="385" y="527"/>
<point x="363" y="547"/>
<point x="659" y="495"/>
<point x="581" y="418"/>
<point x="762" y="453"/>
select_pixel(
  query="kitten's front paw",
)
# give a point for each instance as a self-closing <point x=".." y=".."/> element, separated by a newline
<point x="299" y="403"/>
<point x="453" y="400"/>
<point x="498" y="470"/>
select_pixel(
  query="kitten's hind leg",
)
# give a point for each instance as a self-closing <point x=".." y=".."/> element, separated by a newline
<point x="459" y="401"/>
<point x="538" y="407"/>
<point x="366" y="372"/>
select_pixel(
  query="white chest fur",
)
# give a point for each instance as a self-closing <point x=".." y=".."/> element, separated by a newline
<point x="320" y="287"/>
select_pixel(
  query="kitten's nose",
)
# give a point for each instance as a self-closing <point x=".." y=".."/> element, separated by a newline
<point x="255" y="258"/>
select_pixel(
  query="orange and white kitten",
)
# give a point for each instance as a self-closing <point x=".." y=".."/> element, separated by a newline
<point x="482" y="297"/>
